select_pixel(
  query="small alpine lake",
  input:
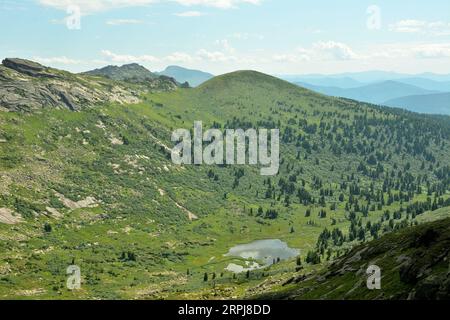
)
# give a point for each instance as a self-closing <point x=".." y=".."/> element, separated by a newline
<point x="259" y="254"/>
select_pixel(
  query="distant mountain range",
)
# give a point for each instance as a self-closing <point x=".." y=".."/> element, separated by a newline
<point x="341" y="82"/>
<point x="193" y="77"/>
<point x="377" y="93"/>
<point x="425" y="93"/>
<point x="439" y="103"/>
<point x="138" y="73"/>
<point x="428" y="84"/>
<point x="365" y="77"/>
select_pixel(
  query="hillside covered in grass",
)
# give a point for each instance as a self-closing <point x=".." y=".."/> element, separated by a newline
<point x="94" y="185"/>
<point x="414" y="265"/>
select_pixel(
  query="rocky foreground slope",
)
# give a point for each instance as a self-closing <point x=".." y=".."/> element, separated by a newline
<point x="414" y="263"/>
<point x="26" y="85"/>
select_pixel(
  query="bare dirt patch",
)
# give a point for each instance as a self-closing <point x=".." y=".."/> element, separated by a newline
<point x="190" y="215"/>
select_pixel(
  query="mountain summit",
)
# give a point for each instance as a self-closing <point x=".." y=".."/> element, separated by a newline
<point x="193" y="77"/>
<point x="132" y="71"/>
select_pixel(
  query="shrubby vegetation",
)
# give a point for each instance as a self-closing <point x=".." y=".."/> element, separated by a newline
<point x="350" y="172"/>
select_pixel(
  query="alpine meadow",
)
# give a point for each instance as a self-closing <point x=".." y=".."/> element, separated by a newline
<point x="321" y="190"/>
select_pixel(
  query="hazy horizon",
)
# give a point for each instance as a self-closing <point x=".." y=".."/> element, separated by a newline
<point x="283" y="75"/>
<point x="282" y="37"/>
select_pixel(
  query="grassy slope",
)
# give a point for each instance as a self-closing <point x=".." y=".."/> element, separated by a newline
<point x="137" y="187"/>
<point x="414" y="265"/>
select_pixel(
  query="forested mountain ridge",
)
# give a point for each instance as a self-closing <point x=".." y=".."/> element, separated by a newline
<point x="438" y="103"/>
<point x="97" y="187"/>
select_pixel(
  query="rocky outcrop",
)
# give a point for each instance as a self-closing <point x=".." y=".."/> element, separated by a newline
<point x="26" y="86"/>
<point x="27" y="67"/>
<point x="129" y="72"/>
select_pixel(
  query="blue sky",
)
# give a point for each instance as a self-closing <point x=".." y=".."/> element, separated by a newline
<point x="272" y="36"/>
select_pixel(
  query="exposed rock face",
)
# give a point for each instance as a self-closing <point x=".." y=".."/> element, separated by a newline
<point x="7" y="216"/>
<point x="26" y="85"/>
<point x="27" y="67"/>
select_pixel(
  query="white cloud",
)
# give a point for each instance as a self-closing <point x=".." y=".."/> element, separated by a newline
<point x="436" y="28"/>
<point x="215" y="56"/>
<point x="318" y="55"/>
<point x="432" y="51"/>
<point x="408" y="26"/>
<point x="319" y="51"/>
<point x="290" y="58"/>
<point x="246" y="36"/>
<point x="227" y="53"/>
<point x="221" y="4"/>
<point x="11" y="5"/>
<point x="389" y="52"/>
<point x="179" y="57"/>
<point x="93" y="6"/>
<point x="336" y="50"/>
<point x="128" y="58"/>
<point x="176" y="57"/>
<point x="299" y="55"/>
<point x="226" y="46"/>
<point x="118" y="22"/>
<point x="189" y="14"/>
<point x="403" y="57"/>
<point x="56" y="60"/>
<point x="408" y="51"/>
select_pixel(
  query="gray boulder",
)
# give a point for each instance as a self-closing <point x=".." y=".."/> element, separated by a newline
<point x="27" y="67"/>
